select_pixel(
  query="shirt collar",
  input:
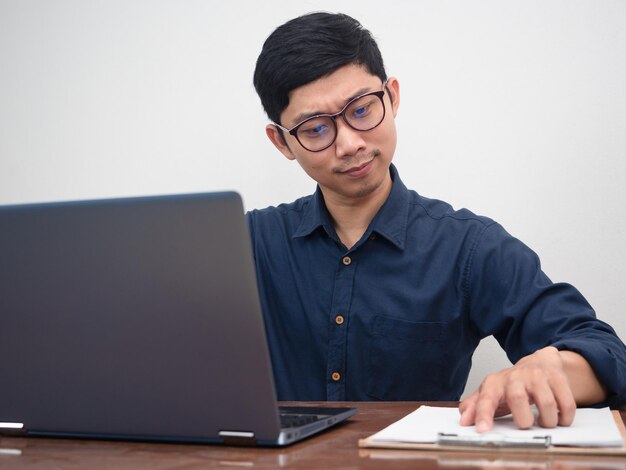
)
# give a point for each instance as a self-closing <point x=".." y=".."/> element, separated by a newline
<point x="315" y="216"/>
<point x="390" y="221"/>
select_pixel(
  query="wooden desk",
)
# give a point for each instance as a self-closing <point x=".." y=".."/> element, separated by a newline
<point x="335" y="448"/>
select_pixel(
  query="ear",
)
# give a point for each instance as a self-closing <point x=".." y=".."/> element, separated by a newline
<point x="278" y="139"/>
<point x="393" y="87"/>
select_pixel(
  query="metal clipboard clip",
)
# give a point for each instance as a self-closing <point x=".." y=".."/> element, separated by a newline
<point x="494" y="440"/>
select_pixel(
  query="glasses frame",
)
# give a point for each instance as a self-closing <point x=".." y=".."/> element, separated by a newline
<point x="294" y="130"/>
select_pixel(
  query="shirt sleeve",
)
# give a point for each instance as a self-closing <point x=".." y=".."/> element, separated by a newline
<point x="511" y="298"/>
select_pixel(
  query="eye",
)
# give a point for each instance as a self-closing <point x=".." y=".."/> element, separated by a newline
<point x="314" y="130"/>
<point x="361" y="109"/>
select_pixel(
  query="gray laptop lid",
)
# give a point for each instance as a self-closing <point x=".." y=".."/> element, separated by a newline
<point x="133" y="318"/>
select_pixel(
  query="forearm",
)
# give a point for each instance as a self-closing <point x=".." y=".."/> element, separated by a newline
<point x="584" y="383"/>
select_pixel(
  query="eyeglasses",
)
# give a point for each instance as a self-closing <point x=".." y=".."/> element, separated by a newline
<point x="319" y="132"/>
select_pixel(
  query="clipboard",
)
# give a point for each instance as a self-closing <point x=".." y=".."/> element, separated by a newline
<point x="452" y="443"/>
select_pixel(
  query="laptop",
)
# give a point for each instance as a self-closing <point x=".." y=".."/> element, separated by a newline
<point x="138" y="319"/>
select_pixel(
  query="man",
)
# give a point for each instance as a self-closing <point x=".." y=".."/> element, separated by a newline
<point x="372" y="292"/>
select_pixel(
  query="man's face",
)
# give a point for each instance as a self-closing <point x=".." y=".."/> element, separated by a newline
<point x="356" y="165"/>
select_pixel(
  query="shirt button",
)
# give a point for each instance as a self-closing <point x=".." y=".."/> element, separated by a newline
<point x="373" y="236"/>
<point x="339" y="319"/>
<point x="336" y="376"/>
<point x="346" y="260"/>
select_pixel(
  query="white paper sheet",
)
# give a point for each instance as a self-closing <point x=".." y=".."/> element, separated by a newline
<point x="591" y="428"/>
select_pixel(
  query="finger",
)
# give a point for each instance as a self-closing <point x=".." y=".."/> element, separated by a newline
<point x="565" y="401"/>
<point x="489" y="398"/>
<point x="502" y="409"/>
<point x="467" y="408"/>
<point x="544" y="399"/>
<point x="519" y="403"/>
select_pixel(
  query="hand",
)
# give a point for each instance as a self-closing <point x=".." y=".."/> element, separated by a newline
<point x="539" y="378"/>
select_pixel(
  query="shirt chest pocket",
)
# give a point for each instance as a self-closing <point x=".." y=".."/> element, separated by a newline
<point x="405" y="359"/>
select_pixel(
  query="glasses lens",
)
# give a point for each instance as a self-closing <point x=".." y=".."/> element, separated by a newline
<point x="317" y="133"/>
<point x="365" y="113"/>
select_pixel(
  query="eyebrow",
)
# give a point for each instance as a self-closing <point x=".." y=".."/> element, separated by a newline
<point x="304" y="116"/>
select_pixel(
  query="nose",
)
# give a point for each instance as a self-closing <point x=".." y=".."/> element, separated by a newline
<point x="349" y="141"/>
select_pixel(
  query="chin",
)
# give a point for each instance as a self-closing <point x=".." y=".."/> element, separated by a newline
<point x="366" y="189"/>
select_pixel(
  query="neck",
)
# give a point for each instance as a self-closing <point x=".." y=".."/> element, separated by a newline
<point x="352" y="215"/>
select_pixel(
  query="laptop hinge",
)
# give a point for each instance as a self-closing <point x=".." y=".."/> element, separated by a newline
<point x="240" y="438"/>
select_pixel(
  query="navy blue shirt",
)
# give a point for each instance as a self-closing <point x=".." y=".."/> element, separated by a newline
<point x="398" y="315"/>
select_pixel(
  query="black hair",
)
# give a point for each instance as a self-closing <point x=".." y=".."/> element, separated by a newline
<point x="307" y="48"/>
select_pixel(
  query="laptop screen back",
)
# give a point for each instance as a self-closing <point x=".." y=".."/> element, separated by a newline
<point x="133" y="318"/>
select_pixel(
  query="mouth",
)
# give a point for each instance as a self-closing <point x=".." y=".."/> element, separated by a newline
<point x="360" y="169"/>
<point x="357" y="169"/>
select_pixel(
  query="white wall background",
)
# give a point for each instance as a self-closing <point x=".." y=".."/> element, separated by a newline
<point x="514" y="109"/>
